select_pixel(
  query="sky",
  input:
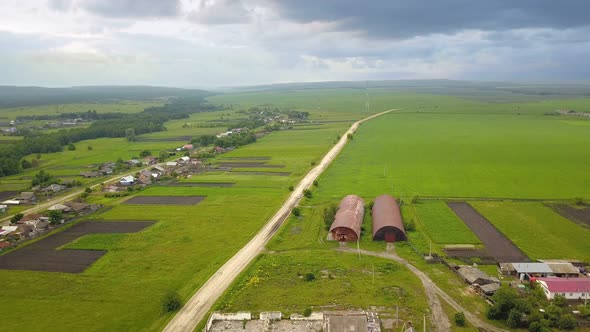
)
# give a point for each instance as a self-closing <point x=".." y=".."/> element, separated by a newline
<point x="220" y="43"/>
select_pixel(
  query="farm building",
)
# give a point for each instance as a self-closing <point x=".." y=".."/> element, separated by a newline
<point x="533" y="269"/>
<point x="473" y="275"/>
<point x="571" y="288"/>
<point x="349" y="218"/>
<point x="127" y="180"/>
<point x="387" y="220"/>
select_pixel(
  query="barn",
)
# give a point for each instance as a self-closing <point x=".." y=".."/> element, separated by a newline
<point x="348" y="220"/>
<point x="387" y="220"/>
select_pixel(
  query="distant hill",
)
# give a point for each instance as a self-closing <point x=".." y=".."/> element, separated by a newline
<point x="500" y="91"/>
<point x="16" y="96"/>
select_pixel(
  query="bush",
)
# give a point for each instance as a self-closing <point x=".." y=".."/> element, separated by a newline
<point x="89" y="147"/>
<point x="307" y="312"/>
<point x="460" y="319"/>
<point x="71" y="147"/>
<point x="312" y="163"/>
<point x="410" y="226"/>
<point x="567" y="322"/>
<point x="171" y="302"/>
<point x="349" y="136"/>
<point x="309" y="277"/>
<point x="307" y="193"/>
<point x="88" y="190"/>
<point x="291" y="188"/>
<point x="296" y="212"/>
<point x="16" y="218"/>
<point x="84" y="194"/>
<point x="315" y="183"/>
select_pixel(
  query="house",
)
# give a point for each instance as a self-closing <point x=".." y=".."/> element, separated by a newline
<point x="525" y="271"/>
<point x="570" y="288"/>
<point x="54" y="188"/>
<point x="23" y="230"/>
<point x="158" y="169"/>
<point x="187" y="147"/>
<point x="59" y="207"/>
<point x="145" y="177"/>
<point x="184" y="160"/>
<point x="11" y="202"/>
<point x="80" y="208"/>
<point x="171" y="164"/>
<point x="27" y="197"/>
<point x="127" y="180"/>
<point x="5" y="230"/>
<point x="3" y="208"/>
<point x="150" y="160"/>
<point x="218" y="149"/>
<point x="92" y="174"/>
<point x="133" y="162"/>
<point x="473" y="275"/>
<point x="30" y="217"/>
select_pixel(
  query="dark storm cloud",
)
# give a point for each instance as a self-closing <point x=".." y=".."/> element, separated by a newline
<point x="121" y="8"/>
<point x="405" y="19"/>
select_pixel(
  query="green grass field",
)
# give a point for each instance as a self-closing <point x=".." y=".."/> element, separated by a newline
<point x="537" y="230"/>
<point x="115" y="107"/>
<point x="442" y="225"/>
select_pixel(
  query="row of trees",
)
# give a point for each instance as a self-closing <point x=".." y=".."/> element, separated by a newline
<point x="237" y="139"/>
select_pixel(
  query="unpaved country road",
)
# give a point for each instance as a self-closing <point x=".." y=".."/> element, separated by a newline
<point x="439" y="320"/>
<point x="197" y="306"/>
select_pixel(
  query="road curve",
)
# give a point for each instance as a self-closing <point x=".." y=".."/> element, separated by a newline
<point x="199" y="304"/>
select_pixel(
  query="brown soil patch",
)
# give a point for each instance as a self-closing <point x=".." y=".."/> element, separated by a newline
<point x="165" y="200"/>
<point x="5" y="195"/>
<point x="201" y="184"/>
<point x="250" y="164"/>
<point x="43" y="256"/>
<point x="578" y="215"/>
<point x="498" y="245"/>
<point x="262" y="173"/>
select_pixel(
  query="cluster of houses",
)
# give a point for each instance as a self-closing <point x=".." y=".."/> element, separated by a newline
<point x="109" y="167"/>
<point x="35" y="224"/>
<point x="572" y="112"/>
<point x="32" y="197"/>
<point x="556" y="277"/>
<point x="24" y="198"/>
<point x="231" y="132"/>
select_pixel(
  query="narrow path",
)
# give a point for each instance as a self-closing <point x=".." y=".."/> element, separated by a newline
<point x="439" y="319"/>
<point x="199" y="304"/>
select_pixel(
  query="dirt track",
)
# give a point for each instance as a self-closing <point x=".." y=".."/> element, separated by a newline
<point x="497" y="245"/>
<point x="43" y="256"/>
<point x="197" y="306"/>
<point x="439" y="319"/>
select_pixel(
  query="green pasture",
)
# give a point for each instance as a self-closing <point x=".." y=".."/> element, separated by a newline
<point x="342" y="281"/>
<point x="442" y="224"/>
<point x="114" y="107"/>
<point x="537" y="230"/>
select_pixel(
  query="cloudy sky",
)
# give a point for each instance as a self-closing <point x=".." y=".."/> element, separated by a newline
<point x="211" y="43"/>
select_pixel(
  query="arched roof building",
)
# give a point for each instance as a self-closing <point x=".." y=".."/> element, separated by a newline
<point x="387" y="220"/>
<point x="348" y="220"/>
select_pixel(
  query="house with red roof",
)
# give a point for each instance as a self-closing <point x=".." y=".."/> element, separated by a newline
<point x="570" y="288"/>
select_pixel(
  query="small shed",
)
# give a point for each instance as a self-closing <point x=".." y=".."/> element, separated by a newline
<point x="473" y="275"/>
<point x="387" y="220"/>
<point x="349" y="218"/>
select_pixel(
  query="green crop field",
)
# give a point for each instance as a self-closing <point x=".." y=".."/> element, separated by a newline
<point x="537" y="230"/>
<point x="442" y="225"/>
<point x="115" y="107"/>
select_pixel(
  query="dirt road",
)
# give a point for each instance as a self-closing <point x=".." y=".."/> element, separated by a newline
<point x="439" y="320"/>
<point x="197" y="306"/>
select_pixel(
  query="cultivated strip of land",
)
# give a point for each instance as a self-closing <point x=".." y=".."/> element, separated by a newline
<point x="198" y="306"/>
<point x="495" y="242"/>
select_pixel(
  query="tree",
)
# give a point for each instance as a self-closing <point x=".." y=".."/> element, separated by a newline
<point x="145" y="153"/>
<point x="88" y="190"/>
<point x="171" y="302"/>
<point x="55" y="216"/>
<point x="130" y="134"/>
<point x="16" y="218"/>
<point x="307" y="193"/>
<point x="296" y="212"/>
<point x="349" y="136"/>
<point x="514" y="319"/>
<point x="163" y="155"/>
<point x="328" y="215"/>
<point x="43" y="179"/>
<point x="25" y="164"/>
<point x="316" y="183"/>
<point x="291" y="188"/>
<point x="560" y="300"/>
<point x="89" y="147"/>
<point x="567" y="322"/>
<point x="307" y="312"/>
<point x="460" y="319"/>
<point x="71" y="147"/>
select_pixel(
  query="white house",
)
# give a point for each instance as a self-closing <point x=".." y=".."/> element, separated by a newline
<point x="571" y="288"/>
<point x="127" y="181"/>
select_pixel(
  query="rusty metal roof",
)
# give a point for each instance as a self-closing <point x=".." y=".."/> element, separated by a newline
<point x="350" y="214"/>
<point x="386" y="213"/>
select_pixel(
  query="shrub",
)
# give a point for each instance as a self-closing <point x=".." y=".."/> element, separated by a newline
<point x="410" y="226"/>
<point x="71" y="147"/>
<point x="307" y="312"/>
<point x="296" y="212"/>
<point x="307" y="193"/>
<point x="171" y="302"/>
<point x="567" y="322"/>
<point x="88" y="190"/>
<point x="89" y="147"/>
<point x="315" y="183"/>
<point x="291" y="188"/>
<point x="460" y="319"/>
<point x="16" y="218"/>
<point x="312" y="163"/>
<point x="309" y="277"/>
<point x="349" y="136"/>
<point x="84" y="194"/>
